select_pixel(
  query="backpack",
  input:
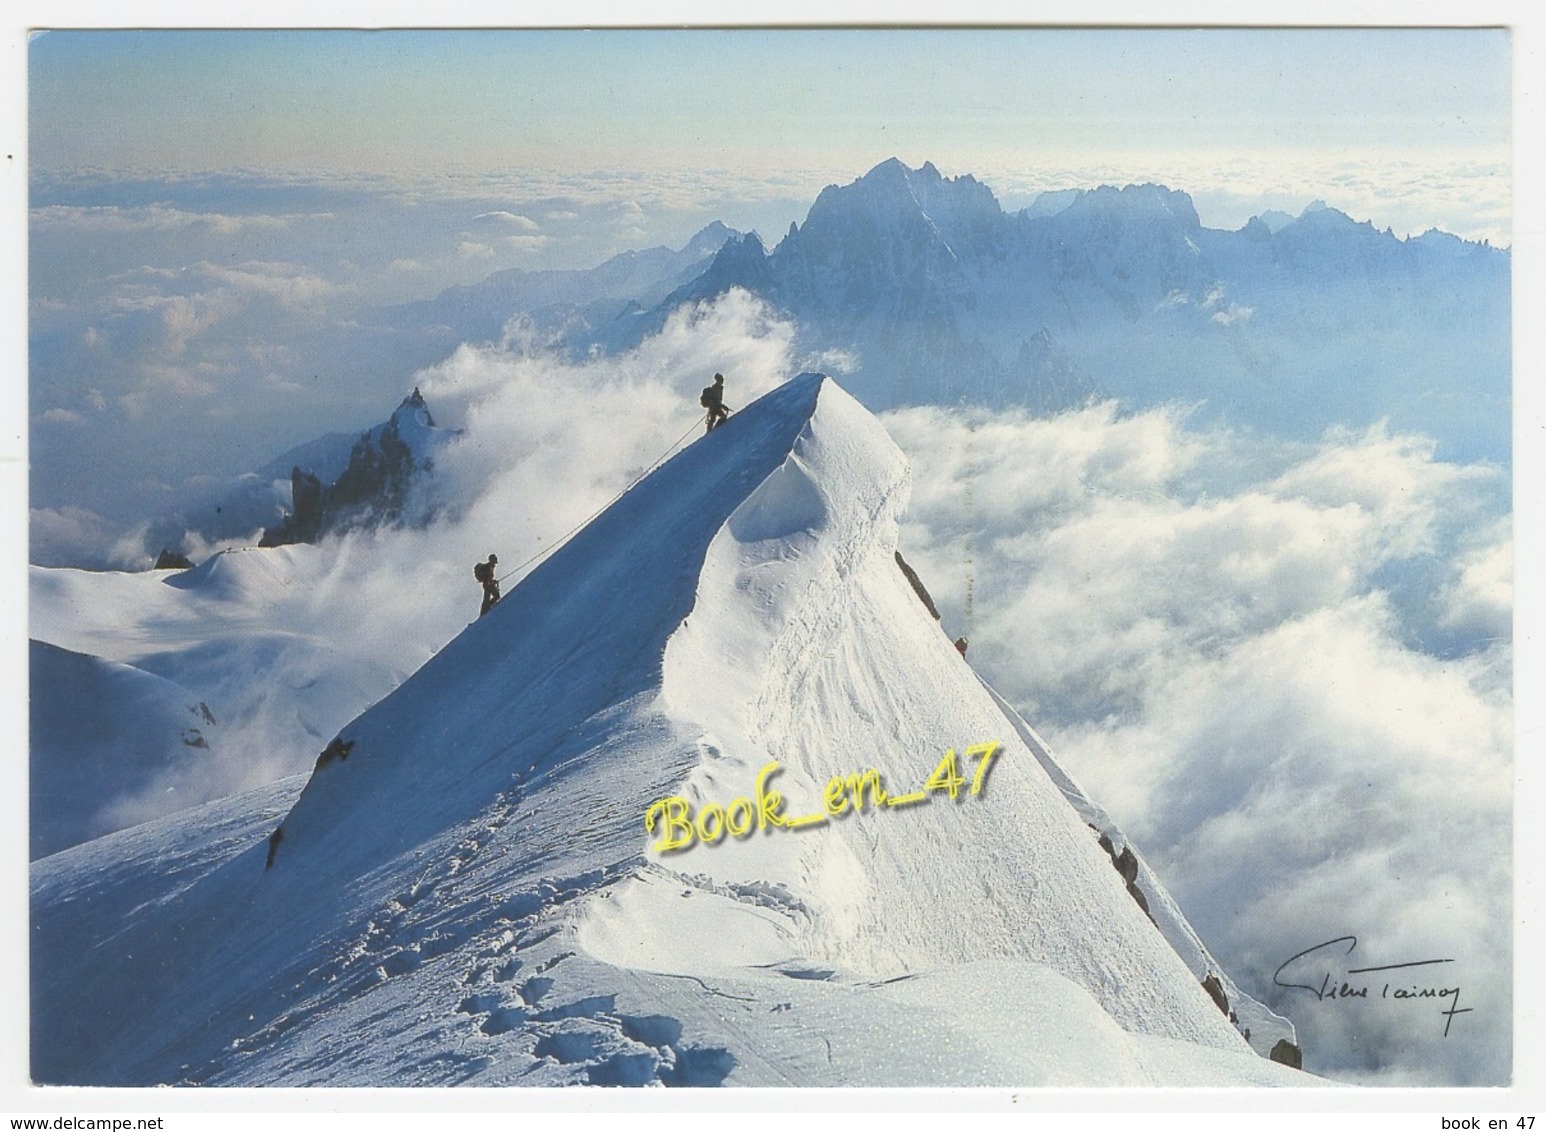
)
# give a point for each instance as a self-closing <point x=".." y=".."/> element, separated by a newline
<point x="706" y="398"/>
<point x="480" y="572"/>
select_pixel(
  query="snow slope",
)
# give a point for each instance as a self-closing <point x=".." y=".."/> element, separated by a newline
<point x="465" y="891"/>
<point x="237" y="634"/>
<point x="100" y="734"/>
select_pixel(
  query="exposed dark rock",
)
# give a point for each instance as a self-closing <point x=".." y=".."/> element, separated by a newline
<point x="1215" y="989"/>
<point x="1140" y="899"/>
<point x="306" y="495"/>
<point x="1287" y="1053"/>
<point x="336" y="751"/>
<point x="172" y="560"/>
<point x="304" y="523"/>
<point x="918" y="586"/>
<point x="273" y="847"/>
<point x="373" y="489"/>
<point x="1127" y="864"/>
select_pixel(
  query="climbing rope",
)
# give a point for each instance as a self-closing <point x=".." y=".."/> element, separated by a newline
<point x="572" y="531"/>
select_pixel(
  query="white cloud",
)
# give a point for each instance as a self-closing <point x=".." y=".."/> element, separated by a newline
<point x="291" y="284"/>
<point x="153" y="318"/>
<point x="1319" y="780"/>
<point x="836" y="362"/>
<point x="156" y="328"/>
<point x="515" y="220"/>
<point x="471" y="249"/>
<point x="61" y="416"/>
<point x="65" y="535"/>
<point x="156" y="218"/>
<point x="1203" y="625"/>
<point x="545" y="443"/>
<point x="1480" y="600"/>
<point x="1232" y="314"/>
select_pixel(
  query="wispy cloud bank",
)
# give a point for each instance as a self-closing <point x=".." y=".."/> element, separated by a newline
<point x="1234" y="644"/>
<point x="511" y="219"/>
<point x="157" y="218"/>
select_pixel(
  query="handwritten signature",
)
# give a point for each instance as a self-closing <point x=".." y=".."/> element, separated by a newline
<point x="1336" y="983"/>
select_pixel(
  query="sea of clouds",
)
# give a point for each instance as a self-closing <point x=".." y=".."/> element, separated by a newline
<point x="1286" y="671"/>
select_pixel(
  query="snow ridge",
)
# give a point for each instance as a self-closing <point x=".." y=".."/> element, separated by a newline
<point x="464" y="892"/>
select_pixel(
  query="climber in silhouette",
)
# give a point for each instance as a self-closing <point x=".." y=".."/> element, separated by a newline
<point x="713" y="399"/>
<point x="484" y="572"/>
<point x="961" y="645"/>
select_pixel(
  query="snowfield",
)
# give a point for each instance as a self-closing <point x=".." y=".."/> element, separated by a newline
<point x="465" y="892"/>
<point x="187" y="686"/>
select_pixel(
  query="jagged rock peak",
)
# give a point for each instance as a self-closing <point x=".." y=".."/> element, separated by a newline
<point x="374" y="487"/>
<point x="926" y="185"/>
<point x="741" y="260"/>
<point x="414" y="403"/>
<point x="710" y="239"/>
<point x="960" y="212"/>
<point x="1146" y="200"/>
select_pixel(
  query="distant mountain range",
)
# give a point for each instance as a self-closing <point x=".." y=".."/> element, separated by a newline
<point x="935" y="295"/>
<point x="939" y="296"/>
<point x="543" y="307"/>
<point x="1287" y="324"/>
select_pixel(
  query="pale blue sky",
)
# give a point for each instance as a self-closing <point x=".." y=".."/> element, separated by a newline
<point x="394" y="101"/>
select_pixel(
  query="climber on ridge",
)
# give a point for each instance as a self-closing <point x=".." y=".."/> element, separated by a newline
<point x="713" y="399"/>
<point x="484" y="572"/>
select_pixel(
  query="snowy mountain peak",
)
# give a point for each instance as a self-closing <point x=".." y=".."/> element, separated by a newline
<point x="1320" y="217"/>
<point x="386" y="465"/>
<point x="1275" y="219"/>
<point x="708" y="240"/>
<point x="1146" y="202"/>
<point x="892" y="174"/>
<point x="892" y="195"/>
<point x="473" y="864"/>
<point x="413" y="405"/>
<point x="412" y="424"/>
<point x="1051" y="203"/>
